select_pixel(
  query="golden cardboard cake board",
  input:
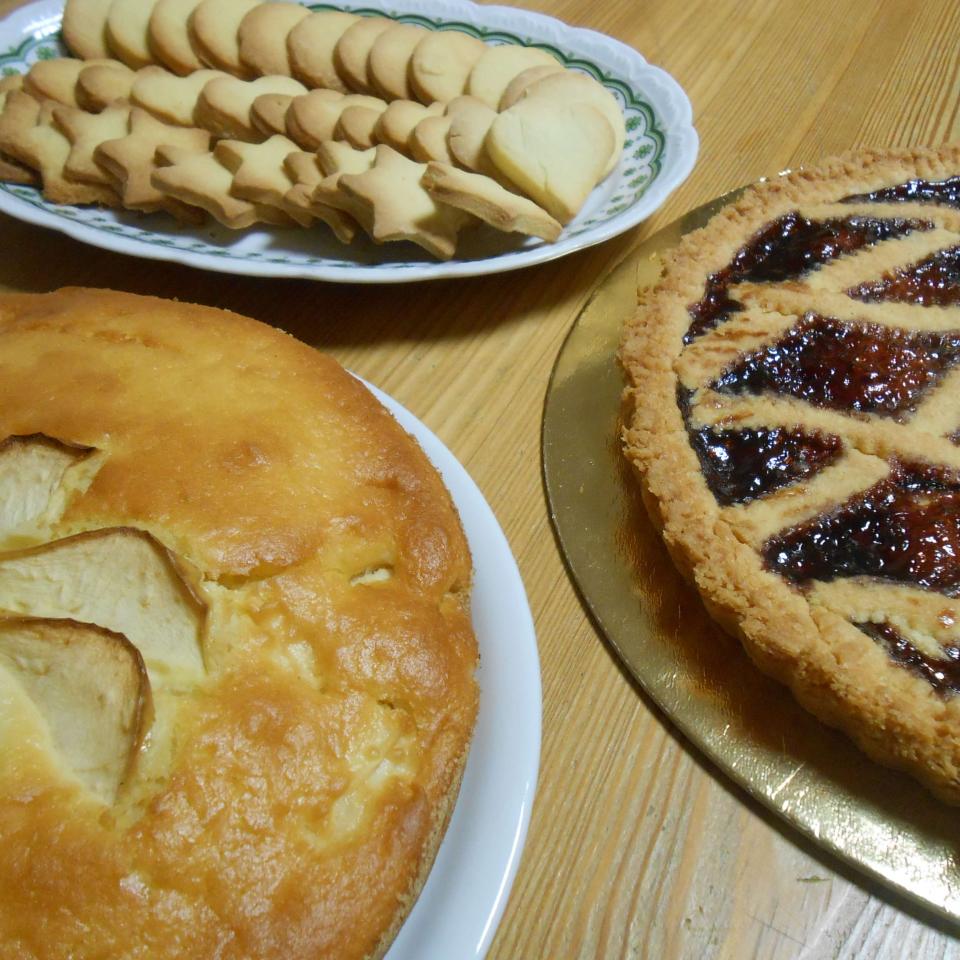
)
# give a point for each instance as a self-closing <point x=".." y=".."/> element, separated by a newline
<point x="877" y="820"/>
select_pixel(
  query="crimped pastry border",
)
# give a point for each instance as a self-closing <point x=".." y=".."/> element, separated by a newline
<point x="833" y="669"/>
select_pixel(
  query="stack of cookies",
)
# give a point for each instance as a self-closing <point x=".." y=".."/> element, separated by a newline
<point x="270" y="113"/>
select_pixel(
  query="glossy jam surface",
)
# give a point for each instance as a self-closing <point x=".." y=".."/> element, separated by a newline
<point x="933" y="282"/>
<point x="742" y="465"/>
<point x="864" y="368"/>
<point x="945" y="192"/>
<point x="786" y="249"/>
<point x="942" y="674"/>
<point x="905" y="529"/>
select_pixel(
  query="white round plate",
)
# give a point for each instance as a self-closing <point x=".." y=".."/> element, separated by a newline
<point x="659" y="153"/>
<point x="464" y="897"/>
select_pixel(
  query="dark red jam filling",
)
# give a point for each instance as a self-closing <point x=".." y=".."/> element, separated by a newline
<point x="905" y="529"/>
<point x="945" y="192"/>
<point x="742" y="465"/>
<point x="942" y="674"/>
<point x="933" y="282"/>
<point x="746" y="464"/>
<point x="865" y="368"/>
<point x="786" y="249"/>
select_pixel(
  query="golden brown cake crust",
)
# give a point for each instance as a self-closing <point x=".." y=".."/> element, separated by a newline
<point x="804" y="636"/>
<point x="290" y="797"/>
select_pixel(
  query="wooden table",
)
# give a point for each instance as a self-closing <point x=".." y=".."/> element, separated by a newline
<point x="637" y="847"/>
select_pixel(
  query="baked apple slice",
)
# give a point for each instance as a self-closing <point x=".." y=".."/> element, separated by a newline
<point x="120" y="579"/>
<point x="91" y="688"/>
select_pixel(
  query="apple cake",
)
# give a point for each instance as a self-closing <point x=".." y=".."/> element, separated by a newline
<point x="793" y="412"/>
<point x="236" y="659"/>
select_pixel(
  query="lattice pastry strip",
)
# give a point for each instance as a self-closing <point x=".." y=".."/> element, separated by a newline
<point x="795" y="384"/>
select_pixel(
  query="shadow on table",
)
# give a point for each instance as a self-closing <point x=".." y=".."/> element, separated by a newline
<point x="327" y="315"/>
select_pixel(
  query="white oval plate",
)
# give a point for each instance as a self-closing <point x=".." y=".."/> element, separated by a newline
<point x="464" y="897"/>
<point x="658" y="156"/>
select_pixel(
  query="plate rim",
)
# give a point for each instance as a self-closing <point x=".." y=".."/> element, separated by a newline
<point x="665" y="96"/>
<point x="505" y="631"/>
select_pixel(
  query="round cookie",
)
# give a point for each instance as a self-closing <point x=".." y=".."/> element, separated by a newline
<point x="310" y="46"/>
<point x="389" y="64"/>
<point x="352" y="52"/>
<point x="441" y="64"/>
<point x="170" y="37"/>
<point x="213" y="31"/>
<point x="84" y="28"/>
<point x="128" y="31"/>
<point x="262" y="37"/>
<point x="269" y="651"/>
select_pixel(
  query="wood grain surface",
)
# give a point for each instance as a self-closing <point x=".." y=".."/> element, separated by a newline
<point x="637" y="848"/>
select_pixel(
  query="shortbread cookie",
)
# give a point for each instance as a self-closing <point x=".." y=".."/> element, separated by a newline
<point x="259" y="172"/>
<point x="84" y="28"/>
<point x="268" y="113"/>
<point x="213" y="30"/>
<point x="568" y="86"/>
<point x="171" y="98"/>
<point x="428" y="141"/>
<point x="11" y="170"/>
<point x="792" y="411"/>
<point x="128" y="31"/>
<point x="388" y="67"/>
<point x="310" y="46"/>
<point x="306" y="173"/>
<point x="200" y="180"/>
<point x="130" y="160"/>
<point x="86" y="131"/>
<point x="523" y="80"/>
<point x="492" y="73"/>
<point x="262" y="37"/>
<point x="357" y="125"/>
<point x="489" y="201"/>
<point x="223" y="107"/>
<point x="391" y="205"/>
<point x="310" y="119"/>
<point x="170" y="37"/>
<point x="441" y="63"/>
<point x="555" y="156"/>
<point x="56" y="79"/>
<point x="396" y="124"/>
<point x="470" y="119"/>
<point x="29" y="135"/>
<point x="352" y="51"/>
<point x="336" y="157"/>
<point x="99" y="84"/>
<point x="313" y="119"/>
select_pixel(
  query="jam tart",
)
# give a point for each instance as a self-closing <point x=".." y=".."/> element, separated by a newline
<point x="793" y="412"/>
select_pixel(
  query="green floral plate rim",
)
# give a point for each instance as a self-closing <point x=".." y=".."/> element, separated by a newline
<point x="659" y="153"/>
